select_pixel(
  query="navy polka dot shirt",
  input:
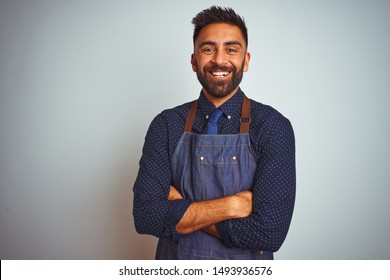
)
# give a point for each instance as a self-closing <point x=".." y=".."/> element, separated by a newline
<point x="273" y="144"/>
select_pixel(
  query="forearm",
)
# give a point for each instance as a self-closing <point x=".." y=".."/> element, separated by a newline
<point x="204" y="214"/>
<point x="174" y="194"/>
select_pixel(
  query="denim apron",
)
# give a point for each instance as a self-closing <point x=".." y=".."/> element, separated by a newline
<point x="206" y="167"/>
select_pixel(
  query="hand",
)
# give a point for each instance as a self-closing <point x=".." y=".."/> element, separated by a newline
<point x="174" y="194"/>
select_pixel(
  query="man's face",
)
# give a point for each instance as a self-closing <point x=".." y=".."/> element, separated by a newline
<point x="220" y="58"/>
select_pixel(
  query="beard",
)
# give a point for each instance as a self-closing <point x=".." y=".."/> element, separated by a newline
<point x="220" y="89"/>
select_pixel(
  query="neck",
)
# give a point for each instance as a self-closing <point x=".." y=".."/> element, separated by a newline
<point x="218" y="101"/>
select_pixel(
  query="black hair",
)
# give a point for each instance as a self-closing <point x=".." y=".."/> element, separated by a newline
<point x="216" y="14"/>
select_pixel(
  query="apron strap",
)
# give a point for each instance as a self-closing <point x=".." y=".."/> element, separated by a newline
<point x="245" y="115"/>
<point x="244" y="120"/>
<point x="191" y="116"/>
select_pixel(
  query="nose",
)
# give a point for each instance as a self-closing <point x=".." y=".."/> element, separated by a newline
<point x="219" y="57"/>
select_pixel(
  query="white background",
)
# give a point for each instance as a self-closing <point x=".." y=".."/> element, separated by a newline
<point x="80" y="81"/>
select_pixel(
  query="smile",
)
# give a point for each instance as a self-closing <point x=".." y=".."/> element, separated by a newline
<point x="219" y="74"/>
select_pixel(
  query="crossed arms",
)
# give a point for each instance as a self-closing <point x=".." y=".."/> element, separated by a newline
<point x="205" y="214"/>
<point x="258" y="219"/>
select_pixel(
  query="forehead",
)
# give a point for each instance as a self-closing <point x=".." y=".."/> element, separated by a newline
<point x="219" y="33"/>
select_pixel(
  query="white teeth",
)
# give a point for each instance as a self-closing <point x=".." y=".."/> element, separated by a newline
<point x="220" y="74"/>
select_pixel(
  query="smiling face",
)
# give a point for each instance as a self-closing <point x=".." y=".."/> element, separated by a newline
<point x="219" y="59"/>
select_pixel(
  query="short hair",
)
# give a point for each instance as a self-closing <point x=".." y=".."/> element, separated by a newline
<point x="216" y="14"/>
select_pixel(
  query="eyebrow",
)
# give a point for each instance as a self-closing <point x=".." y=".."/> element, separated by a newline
<point x="228" y="43"/>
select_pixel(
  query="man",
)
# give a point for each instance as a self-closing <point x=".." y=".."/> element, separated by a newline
<point x="217" y="175"/>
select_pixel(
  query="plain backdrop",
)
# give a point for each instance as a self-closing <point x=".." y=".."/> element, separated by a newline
<point x="80" y="82"/>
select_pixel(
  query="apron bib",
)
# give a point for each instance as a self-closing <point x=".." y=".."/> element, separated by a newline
<point x="207" y="167"/>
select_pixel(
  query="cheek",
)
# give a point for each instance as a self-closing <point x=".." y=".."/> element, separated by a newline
<point x="202" y="61"/>
<point x="196" y="65"/>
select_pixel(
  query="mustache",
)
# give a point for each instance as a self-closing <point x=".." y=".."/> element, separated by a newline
<point x="216" y="68"/>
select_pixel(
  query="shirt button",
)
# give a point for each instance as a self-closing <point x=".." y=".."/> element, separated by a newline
<point x="229" y="117"/>
<point x="234" y="157"/>
<point x="201" y="158"/>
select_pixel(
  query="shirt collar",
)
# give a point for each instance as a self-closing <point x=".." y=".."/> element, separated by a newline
<point x="231" y="108"/>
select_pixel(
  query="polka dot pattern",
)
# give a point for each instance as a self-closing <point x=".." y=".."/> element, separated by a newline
<point x="273" y="146"/>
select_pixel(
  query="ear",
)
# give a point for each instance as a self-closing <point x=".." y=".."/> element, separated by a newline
<point x="246" y="61"/>
<point x="193" y="63"/>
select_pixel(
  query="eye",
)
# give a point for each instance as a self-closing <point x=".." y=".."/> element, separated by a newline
<point x="208" y="50"/>
<point x="231" y="50"/>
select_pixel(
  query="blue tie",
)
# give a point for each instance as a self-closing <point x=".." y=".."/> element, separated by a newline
<point x="212" y="123"/>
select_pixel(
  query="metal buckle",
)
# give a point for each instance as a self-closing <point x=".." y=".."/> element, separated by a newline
<point x="245" y="120"/>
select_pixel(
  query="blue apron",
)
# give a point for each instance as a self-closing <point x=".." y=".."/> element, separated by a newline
<point x="207" y="167"/>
